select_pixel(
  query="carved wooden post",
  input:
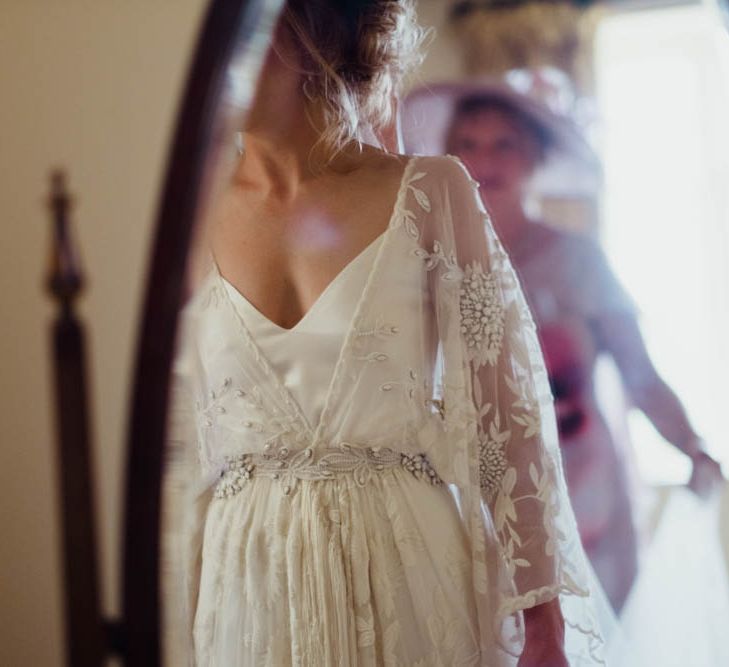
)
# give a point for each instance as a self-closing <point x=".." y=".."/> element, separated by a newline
<point x="85" y="640"/>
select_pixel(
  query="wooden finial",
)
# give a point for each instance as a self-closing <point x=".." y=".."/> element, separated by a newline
<point x="65" y="280"/>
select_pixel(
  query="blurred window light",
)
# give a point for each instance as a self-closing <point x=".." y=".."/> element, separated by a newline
<point x="663" y="96"/>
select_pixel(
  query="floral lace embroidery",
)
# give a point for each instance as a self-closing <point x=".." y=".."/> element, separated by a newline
<point x="482" y="314"/>
<point x="381" y="330"/>
<point x="410" y="386"/>
<point x="207" y="413"/>
<point x="439" y="256"/>
<point x="290" y="466"/>
<point x="407" y="217"/>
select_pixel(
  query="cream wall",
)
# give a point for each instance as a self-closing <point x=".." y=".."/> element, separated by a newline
<point x="92" y="86"/>
<point x="443" y="58"/>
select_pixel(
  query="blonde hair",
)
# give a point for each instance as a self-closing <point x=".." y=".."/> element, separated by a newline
<point x="355" y="56"/>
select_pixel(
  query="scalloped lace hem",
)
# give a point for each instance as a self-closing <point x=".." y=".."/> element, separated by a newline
<point x="512" y="605"/>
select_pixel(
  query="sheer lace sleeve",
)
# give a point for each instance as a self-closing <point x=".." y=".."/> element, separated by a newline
<point x="517" y="476"/>
<point x="498" y="412"/>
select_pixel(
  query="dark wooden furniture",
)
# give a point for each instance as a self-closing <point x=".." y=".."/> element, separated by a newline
<point x="85" y="636"/>
<point x="135" y="637"/>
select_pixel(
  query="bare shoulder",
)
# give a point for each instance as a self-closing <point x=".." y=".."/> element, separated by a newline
<point x="444" y="172"/>
<point x="370" y="182"/>
<point x="381" y="168"/>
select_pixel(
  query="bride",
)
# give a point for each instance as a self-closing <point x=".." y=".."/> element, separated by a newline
<point x="362" y="423"/>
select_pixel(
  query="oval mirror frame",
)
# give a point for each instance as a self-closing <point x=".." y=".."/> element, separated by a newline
<point x="227" y="31"/>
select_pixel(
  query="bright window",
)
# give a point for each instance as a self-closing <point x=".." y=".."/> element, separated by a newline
<point x="663" y="91"/>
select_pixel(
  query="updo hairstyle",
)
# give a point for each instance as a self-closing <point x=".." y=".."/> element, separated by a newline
<point x="355" y="55"/>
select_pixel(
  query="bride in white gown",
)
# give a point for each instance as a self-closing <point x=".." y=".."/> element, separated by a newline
<point x="362" y="427"/>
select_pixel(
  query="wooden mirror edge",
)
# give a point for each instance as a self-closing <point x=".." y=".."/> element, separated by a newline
<point x="226" y="27"/>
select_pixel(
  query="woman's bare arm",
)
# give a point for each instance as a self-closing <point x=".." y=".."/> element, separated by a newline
<point x="620" y="335"/>
<point x="544" y="636"/>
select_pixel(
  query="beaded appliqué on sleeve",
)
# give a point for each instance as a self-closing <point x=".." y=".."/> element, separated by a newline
<point x="482" y="315"/>
<point x="492" y="465"/>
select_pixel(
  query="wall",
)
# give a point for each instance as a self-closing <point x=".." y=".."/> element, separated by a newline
<point x="443" y="60"/>
<point x="92" y="86"/>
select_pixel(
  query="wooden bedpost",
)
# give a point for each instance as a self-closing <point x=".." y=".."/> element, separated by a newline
<point x="84" y="626"/>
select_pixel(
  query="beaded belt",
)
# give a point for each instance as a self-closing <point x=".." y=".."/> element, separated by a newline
<point x="289" y="466"/>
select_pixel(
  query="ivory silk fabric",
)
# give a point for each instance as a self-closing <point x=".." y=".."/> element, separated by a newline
<point x="381" y="484"/>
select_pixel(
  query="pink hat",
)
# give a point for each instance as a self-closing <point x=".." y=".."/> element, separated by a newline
<point x="571" y="167"/>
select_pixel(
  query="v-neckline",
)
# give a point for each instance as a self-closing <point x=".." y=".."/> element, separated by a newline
<point x="333" y="284"/>
<point x="262" y="360"/>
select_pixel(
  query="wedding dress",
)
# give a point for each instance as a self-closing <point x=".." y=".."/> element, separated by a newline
<point x="380" y="484"/>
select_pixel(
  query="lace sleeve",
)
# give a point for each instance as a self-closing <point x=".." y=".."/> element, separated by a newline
<point x="518" y="478"/>
<point x="497" y="400"/>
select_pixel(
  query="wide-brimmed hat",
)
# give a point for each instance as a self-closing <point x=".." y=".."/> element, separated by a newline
<point x="571" y="167"/>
